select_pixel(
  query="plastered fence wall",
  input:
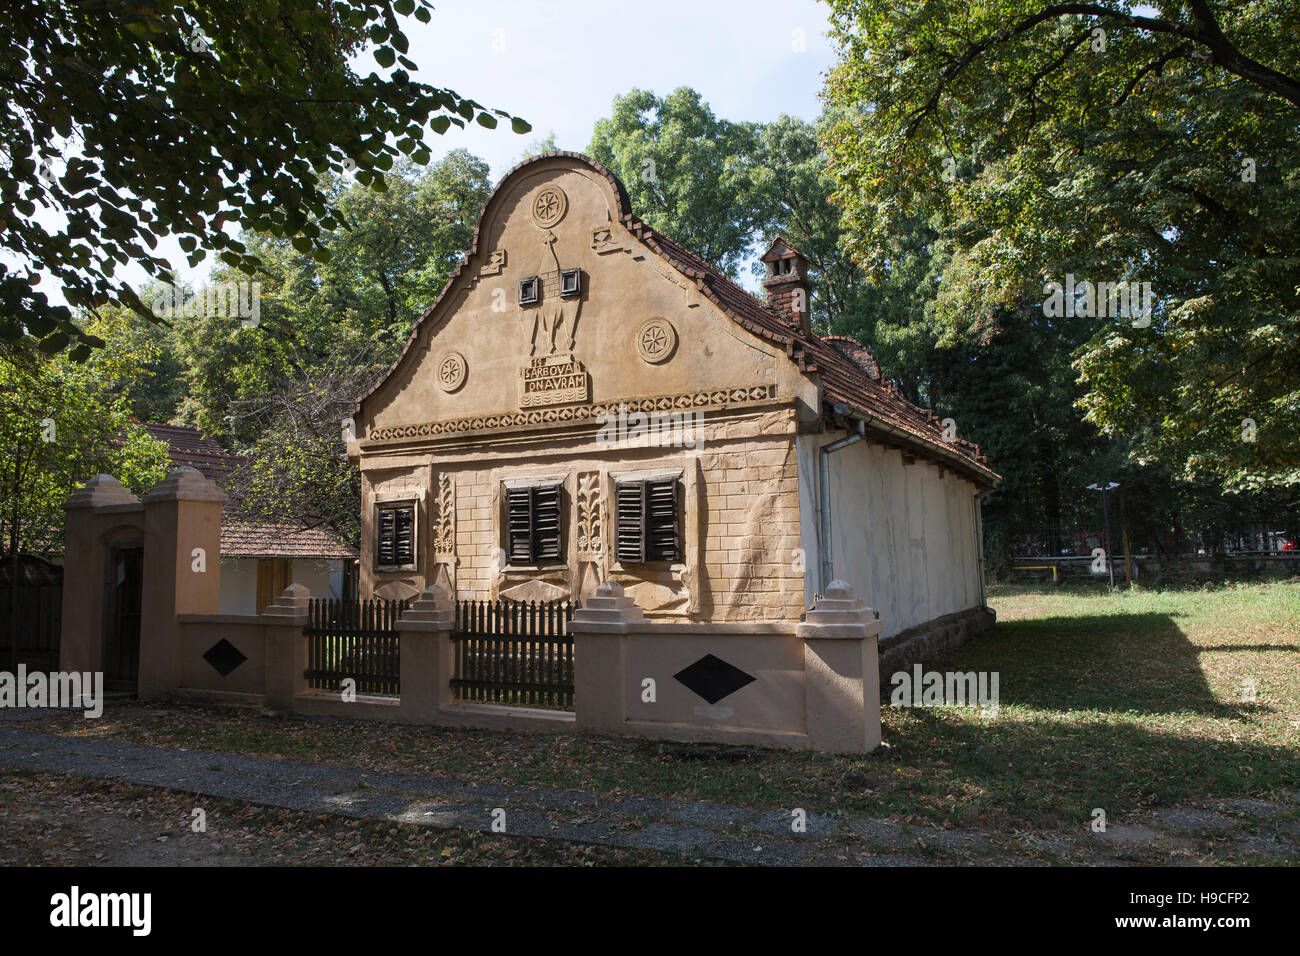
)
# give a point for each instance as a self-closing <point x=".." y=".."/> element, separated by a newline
<point x="810" y="685"/>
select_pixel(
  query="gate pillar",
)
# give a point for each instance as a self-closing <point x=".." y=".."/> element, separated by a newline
<point x="99" y="513"/>
<point x="182" y="571"/>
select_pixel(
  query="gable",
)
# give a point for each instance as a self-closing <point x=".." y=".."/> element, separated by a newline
<point x="637" y="329"/>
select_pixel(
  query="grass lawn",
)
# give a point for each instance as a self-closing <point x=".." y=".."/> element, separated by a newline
<point x="1129" y="702"/>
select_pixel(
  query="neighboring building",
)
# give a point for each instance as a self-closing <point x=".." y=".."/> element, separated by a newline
<point x="261" y="557"/>
<point x="587" y="400"/>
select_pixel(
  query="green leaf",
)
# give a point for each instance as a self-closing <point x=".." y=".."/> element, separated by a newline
<point x="54" y="343"/>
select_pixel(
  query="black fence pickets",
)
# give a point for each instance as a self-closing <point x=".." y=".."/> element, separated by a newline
<point x="354" y="639"/>
<point x="513" y="653"/>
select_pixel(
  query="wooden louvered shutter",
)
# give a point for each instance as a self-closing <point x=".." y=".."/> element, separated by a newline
<point x="385" y="537"/>
<point x="661" y="520"/>
<point x="519" y="525"/>
<point x="403" y="535"/>
<point x="629" y="522"/>
<point x="546" y="523"/>
<point x="395" y="534"/>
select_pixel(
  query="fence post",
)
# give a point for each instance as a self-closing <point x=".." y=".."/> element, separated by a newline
<point x="286" y="647"/>
<point x="599" y="630"/>
<point x="424" y="658"/>
<point x="181" y="569"/>
<point x="841" y="673"/>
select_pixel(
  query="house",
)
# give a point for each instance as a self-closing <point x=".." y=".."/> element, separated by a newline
<point x="588" y="401"/>
<point x="260" y="557"/>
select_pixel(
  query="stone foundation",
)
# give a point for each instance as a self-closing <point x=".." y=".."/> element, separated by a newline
<point x="927" y="642"/>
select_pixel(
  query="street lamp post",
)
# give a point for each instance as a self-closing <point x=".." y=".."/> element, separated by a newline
<point x="1105" y="511"/>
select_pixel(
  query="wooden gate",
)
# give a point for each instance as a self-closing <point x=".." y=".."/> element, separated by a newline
<point x="33" y="636"/>
<point x="354" y="639"/>
<point x="513" y="652"/>
<point x="122" y="622"/>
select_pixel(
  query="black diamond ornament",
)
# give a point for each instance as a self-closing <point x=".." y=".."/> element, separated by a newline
<point x="713" y="678"/>
<point x="224" y="657"/>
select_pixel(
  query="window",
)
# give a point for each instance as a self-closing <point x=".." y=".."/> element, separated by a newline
<point x="395" y="535"/>
<point x="533" y="524"/>
<point x="570" y="283"/>
<point x="530" y="290"/>
<point x="647" y="522"/>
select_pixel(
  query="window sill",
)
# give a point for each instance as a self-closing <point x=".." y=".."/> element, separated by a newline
<point x="673" y="567"/>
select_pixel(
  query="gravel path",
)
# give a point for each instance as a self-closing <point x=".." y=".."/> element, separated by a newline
<point x="738" y="834"/>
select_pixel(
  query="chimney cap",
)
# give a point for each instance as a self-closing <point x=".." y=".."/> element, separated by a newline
<point x="780" y="249"/>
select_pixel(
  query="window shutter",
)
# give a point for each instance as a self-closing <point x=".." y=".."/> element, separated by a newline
<point x="385" y="536"/>
<point x="395" y="536"/>
<point x="629" y="522"/>
<point x="519" y="525"/>
<point x="403" y="535"/>
<point x="662" y="533"/>
<point x="546" y="523"/>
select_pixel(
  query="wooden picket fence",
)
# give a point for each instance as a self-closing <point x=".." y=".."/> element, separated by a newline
<point x="514" y="652"/>
<point x="354" y="639"/>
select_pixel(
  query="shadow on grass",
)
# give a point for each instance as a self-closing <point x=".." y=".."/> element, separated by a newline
<point x="1124" y="663"/>
<point x="1053" y="773"/>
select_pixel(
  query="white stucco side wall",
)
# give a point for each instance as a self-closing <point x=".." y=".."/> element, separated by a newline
<point x="239" y="581"/>
<point x="901" y="535"/>
<point x="238" y="586"/>
<point x="317" y="578"/>
<point x="806" y="451"/>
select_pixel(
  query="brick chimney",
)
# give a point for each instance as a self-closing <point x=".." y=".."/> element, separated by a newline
<point x="786" y="283"/>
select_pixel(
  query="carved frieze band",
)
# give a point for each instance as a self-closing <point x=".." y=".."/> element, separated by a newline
<point x="709" y="398"/>
<point x="444" y="535"/>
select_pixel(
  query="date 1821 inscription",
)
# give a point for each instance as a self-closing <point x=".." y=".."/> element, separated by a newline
<point x="553" y="380"/>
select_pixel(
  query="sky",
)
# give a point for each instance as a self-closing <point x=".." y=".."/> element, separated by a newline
<point x="560" y="63"/>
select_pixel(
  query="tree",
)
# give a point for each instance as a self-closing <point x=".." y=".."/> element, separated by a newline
<point x="63" y="422"/>
<point x="185" y="121"/>
<point x="277" y="392"/>
<point x="386" y="266"/>
<point x="297" y="469"/>
<point x="546" y="144"/>
<point x="1116" y="146"/>
<point x="684" y="171"/>
<point x="791" y="188"/>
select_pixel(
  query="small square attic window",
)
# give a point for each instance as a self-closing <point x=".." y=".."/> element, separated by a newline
<point x="570" y="283"/>
<point x="530" y="290"/>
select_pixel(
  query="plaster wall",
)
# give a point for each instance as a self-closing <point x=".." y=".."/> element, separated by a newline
<point x="904" y="535"/>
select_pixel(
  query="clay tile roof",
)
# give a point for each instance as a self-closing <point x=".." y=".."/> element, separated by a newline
<point x="242" y="535"/>
<point x="857" y="353"/>
<point x="845" y="383"/>
<point x="188" y="446"/>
